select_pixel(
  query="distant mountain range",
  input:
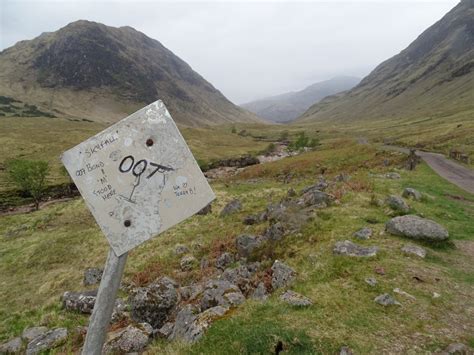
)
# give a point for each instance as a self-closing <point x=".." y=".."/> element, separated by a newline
<point x="89" y="70"/>
<point x="433" y="76"/>
<point x="286" y="107"/>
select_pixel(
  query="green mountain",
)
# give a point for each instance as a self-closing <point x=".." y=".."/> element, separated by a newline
<point x="288" y="106"/>
<point x="432" y="77"/>
<point x="89" y="70"/>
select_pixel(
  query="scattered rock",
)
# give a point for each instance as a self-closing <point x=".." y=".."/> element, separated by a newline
<point x="251" y="219"/>
<point x="320" y="186"/>
<point x="246" y="244"/>
<point x="192" y="292"/>
<point x="417" y="228"/>
<point x="239" y="276"/>
<point x="351" y="249"/>
<point x="153" y="304"/>
<point x="188" y="262"/>
<point x="458" y="349"/>
<point x="282" y="275"/>
<point x="396" y="203"/>
<point x="130" y="339"/>
<point x="345" y="350"/>
<point x="260" y="292"/>
<point x="436" y="295"/>
<point x="31" y="333"/>
<point x="415" y="250"/>
<point x="386" y="300"/>
<point x="412" y="193"/>
<point x="403" y="293"/>
<point x="392" y="175"/>
<point x="12" y="346"/>
<point x="92" y="276"/>
<point x="181" y="249"/>
<point x="289" y="214"/>
<point x="232" y="207"/>
<point x="364" y="233"/>
<point x="379" y="270"/>
<point x="221" y="293"/>
<point x="295" y="299"/>
<point x="82" y="302"/>
<point x="164" y="332"/>
<point x="275" y="232"/>
<point x="224" y="260"/>
<point x="190" y="326"/>
<point x="205" y="210"/>
<point x="49" y="340"/>
<point x="372" y="281"/>
<point x="315" y="198"/>
<point x="291" y="192"/>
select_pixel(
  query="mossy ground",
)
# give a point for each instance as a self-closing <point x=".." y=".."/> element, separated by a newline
<point x="47" y="251"/>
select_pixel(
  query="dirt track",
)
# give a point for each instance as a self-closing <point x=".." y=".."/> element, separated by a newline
<point x="455" y="173"/>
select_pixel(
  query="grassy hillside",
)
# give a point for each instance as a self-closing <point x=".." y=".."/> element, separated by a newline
<point x="48" y="250"/>
<point x="432" y="77"/>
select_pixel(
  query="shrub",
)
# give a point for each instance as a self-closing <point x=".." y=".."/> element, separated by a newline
<point x="29" y="176"/>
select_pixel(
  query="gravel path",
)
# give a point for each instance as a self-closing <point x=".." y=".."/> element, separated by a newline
<point x="455" y="173"/>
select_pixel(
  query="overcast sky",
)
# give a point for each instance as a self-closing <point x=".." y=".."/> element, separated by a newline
<point x="248" y="49"/>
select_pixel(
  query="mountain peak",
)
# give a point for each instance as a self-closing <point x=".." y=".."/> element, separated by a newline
<point x="120" y="68"/>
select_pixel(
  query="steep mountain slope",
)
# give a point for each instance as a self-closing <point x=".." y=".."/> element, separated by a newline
<point x="288" y="106"/>
<point x="90" y="70"/>
<point x="432" y="77"/>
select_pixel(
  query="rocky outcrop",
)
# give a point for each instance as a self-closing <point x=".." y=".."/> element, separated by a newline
<point x="282" y="275"/>
<point x="415" y="227"/>
<point x="154" y="303"/>
<point x="132" y="339"/>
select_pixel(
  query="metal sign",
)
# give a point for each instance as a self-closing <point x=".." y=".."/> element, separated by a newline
<point x="138" y="177"/>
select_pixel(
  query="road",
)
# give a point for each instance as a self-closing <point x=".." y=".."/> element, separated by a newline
<point x="454" y="172"/>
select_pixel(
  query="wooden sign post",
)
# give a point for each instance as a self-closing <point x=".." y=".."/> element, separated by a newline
<point x="138" y="178"/>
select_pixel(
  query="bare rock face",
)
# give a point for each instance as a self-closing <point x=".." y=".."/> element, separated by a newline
<point x="49" y="340"/>
<point x="295" y="299"/>
<point x="153" y="304"/>
<point x="351" y="249"/>
<point x="282" y="275"/>
<point x="130" y="339"/>
<point x="415" y="227"/>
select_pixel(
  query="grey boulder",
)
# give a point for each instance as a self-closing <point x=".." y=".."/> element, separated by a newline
<point x="246" y="244"/>
<point x="92" y="276"/>
<point x="224" y="260"/>
<point x="49" y="340"/>
<point x="221" y="293"/>
<point x="412" y="193"/>
<point x="414" y="250"/>
<point x="130" y="339"/>
<point x="232" y="207"/>
<point x="31" y="333"/>
<point x="364" y="233"/>
<point x="416" y="228"/>
<point x="315" y="198"/>
<point x="351" y="249"/>
<point x="386" y="300"/>
<point x="154" y="303"/>
<point x="397" y="203"/>
<point x="458" y="349"/>
<point x="282" y="275"/>
<point x="295" y="299"/>
<point x="13" y="346"/>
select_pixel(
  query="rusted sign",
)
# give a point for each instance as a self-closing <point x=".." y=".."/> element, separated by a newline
<point x="138" y="177"/>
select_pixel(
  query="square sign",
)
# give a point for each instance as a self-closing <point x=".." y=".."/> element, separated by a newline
<point x="138" y="177"/>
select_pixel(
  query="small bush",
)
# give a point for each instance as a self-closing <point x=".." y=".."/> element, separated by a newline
<point x="29" y="176"/>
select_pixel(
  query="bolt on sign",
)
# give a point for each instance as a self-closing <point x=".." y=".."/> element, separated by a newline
<point x="138" y="177"/>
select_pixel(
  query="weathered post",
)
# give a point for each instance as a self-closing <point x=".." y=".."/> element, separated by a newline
<point x="138" y="178"/>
